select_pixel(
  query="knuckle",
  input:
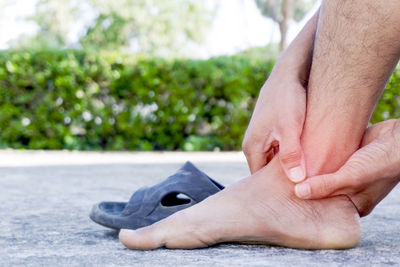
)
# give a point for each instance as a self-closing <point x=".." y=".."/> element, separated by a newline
<point x="325" y="186"/>
<point x="246" y="147"/>
<point x="354" y="173"/>
<point x="253" y="144"/>
<point x="355" y="181"/>
<point x="246" y="144"/>
<point x="290" y="158"/>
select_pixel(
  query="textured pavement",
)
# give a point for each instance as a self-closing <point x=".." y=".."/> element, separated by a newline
<point x="45" y="199"/>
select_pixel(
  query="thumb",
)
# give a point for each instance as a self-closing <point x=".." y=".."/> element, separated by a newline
<point x="292" y="158"/>
<point x="325" y="185"/>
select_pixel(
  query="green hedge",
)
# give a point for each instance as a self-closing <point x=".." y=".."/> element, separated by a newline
<point x="388" y="106"/>
<point x="81" y="100"/>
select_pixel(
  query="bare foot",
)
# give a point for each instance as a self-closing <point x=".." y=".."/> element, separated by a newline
<point x="260" y="209"/>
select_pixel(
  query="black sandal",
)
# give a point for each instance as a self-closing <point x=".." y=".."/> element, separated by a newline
<point x="187" y="187"/>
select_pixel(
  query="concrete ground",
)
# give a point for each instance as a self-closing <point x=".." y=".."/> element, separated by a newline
<point x="45" y="199"/>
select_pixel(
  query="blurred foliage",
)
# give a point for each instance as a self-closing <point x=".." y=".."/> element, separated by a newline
<point x="389" y="104"/>
<point x="269" y="52"/>
<point x="161" y="28"/>
<point x="282" y="11"/>
<point x="110" y="101"/>
<point x="273" y="8"/>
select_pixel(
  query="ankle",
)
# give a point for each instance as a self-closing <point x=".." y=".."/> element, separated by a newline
<point x="325" y="158"/>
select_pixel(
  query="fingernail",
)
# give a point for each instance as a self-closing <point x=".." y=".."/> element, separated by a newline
<point x="296" y="174"/>
<point x="303" y="190"/>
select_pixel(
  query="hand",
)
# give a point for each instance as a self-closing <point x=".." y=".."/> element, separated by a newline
<point x="278" y="118"/>
<point x="277" y="124"/>
<point x="367" y="176"/>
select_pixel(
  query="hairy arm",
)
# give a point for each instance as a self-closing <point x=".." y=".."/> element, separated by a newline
<point x="356" y="50"/>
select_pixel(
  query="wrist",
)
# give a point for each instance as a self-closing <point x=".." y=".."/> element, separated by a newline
<point x="295" y="67"/>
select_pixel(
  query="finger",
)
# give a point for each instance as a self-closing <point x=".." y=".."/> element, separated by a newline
<point x="377" y="130"/>
<point x="292" y="158"/>
<point x="257" y="160"/>
<point x="323" y="186"/>
<point x="256" y="152"/>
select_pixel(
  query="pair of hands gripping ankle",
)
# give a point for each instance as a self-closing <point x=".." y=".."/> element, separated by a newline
<point x="277" y="124"/>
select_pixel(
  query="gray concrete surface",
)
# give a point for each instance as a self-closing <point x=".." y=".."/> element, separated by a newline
<point x="45" y="199"/>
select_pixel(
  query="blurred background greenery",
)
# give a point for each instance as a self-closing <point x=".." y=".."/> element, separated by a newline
<point x="131" y="78"/>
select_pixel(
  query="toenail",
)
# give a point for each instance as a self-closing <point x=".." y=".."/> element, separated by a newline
<point x="303" y="190"/>
<point x="296" y="174"/>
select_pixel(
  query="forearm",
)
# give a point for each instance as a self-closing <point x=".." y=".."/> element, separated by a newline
<point x="356" y="49"/>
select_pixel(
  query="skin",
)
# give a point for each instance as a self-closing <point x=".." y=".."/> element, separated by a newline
<point x="369" y="174"/>
<point x="353" y="59"/>
<point x="362" y="70"/>
<point x="279" y="114"/>
<point x="255" y="211"/>
<point x="263" y="208"/>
